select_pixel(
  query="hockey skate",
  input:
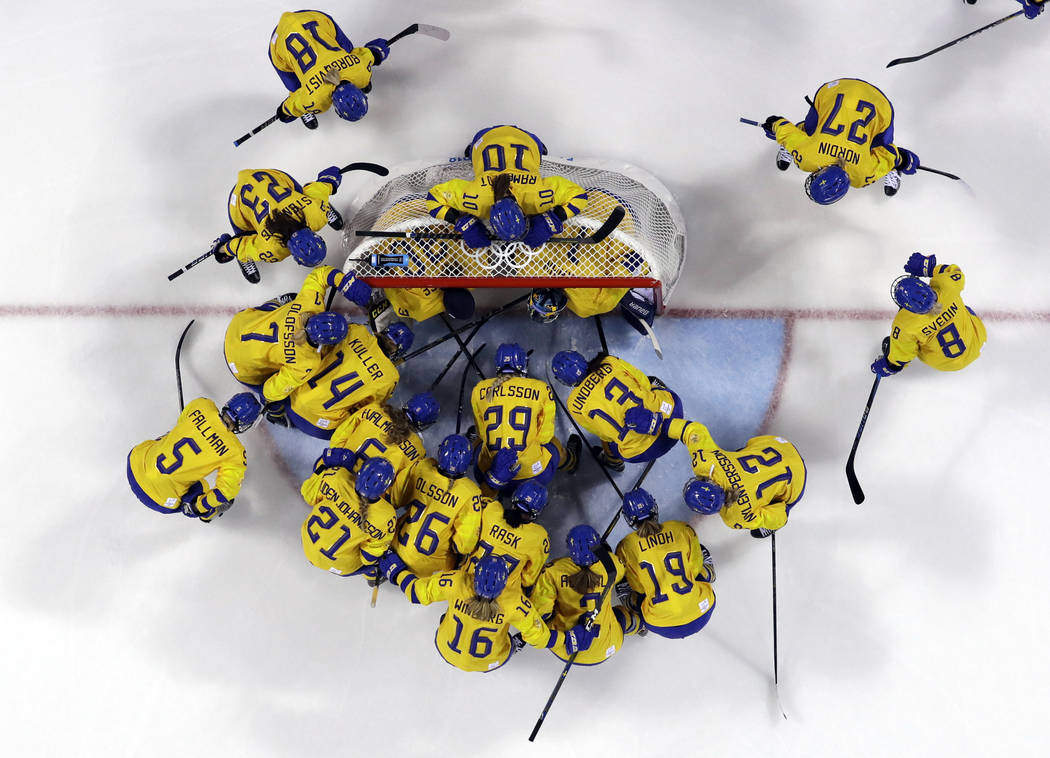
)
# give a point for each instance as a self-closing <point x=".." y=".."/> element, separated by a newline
<point x="309" y="120"/>
<point x="608" y="461"/>
<point x="891" y="183"/>
<point x="250" y="271"/>
<point x="784" y="160"/>
<point x="572" y="454"/>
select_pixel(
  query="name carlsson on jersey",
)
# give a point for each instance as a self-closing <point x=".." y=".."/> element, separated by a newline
<point x="360" y="349"/>
<point x="317" y="80"/>
<point x="291" y="326"/>
<point x="199" y="420"/>
<point x="511" y="390"/>
<point x="329" y="493"/>
<point x="593" y="380"/>
<point x="949" y="313"/>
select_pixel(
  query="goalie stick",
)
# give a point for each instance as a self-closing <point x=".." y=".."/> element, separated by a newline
<point x="851" y="474"/>
<point x="178" y="367"/>
<point x="425" y="29"/>
<point x="599" y="235"/>
<point x="912" y="59"/>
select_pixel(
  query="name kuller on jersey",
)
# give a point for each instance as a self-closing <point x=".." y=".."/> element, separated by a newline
<point x="329" y="493"/>
<point x="359" y="349"/>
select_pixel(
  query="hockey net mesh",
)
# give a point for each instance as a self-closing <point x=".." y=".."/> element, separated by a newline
<point x="648" y="244"/>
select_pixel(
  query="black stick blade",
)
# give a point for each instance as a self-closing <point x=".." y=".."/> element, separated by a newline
<point x="375" y="168"/>
<point x="854" y="485"/>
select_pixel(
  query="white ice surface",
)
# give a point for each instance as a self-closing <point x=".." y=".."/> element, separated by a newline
<point x="915" y="624"/>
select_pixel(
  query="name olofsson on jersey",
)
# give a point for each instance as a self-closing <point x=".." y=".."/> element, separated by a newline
<point x="291" y="326"/>
<point x="593" y="380"/>
<point x="332" y="495"/>
<point x="212" y="438"/>
<point x="942" y="320"/>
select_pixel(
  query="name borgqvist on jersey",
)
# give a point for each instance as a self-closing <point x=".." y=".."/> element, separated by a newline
<point x="442" y="516"/>
<point x="351" y="521"/>
<point x="668" y="571"/>
<point x="169" y="474"/>
<point x="572" y="586"/>
<point x="355" y="372"/>
<point x="474" y="633"/>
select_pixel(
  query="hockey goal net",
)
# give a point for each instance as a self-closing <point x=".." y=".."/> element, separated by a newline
<point x="645" y="250"/>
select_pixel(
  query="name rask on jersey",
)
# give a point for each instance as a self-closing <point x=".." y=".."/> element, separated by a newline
<point x="332" y="495"/>
<point x="594" y="379"/>
<point x="509" y="539"/>
<point x="941" y="321"/>
<point x="212" y="438"/>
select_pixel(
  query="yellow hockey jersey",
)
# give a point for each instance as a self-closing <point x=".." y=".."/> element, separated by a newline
<point x="768" y="474"/>
<point x="600" y="402"/>
<point x="850" y="123"/>
<point x="663" y="568"/>
<point x="306" y="44"/>
<point x="594" y="301"/>
<point x="366" y="432"/>
<point x="553" y="595"/>
<point x="200" y="444"/>
<point x="416" y="303"/>
<point x="466" y="642"/>
<point x="443" y="518"/>
<point x="354" y="373"/>
<point x="260" y="345"/>
<point x="261" y="193"/>
<point x="516" y="412"/>
<point x="947" y="338"/>
<point x="505" y="150"/>
<point x="335" y="536"/>
<point x="525" y="548"/>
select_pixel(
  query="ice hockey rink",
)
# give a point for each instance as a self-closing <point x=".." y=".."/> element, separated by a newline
<point x="914" y="624"/>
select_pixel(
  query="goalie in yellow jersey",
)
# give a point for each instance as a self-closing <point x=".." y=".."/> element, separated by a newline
<point x="669" y="573"/>
<point x="933" y="323"/>
<point x="277" y="346"/>
<point x="474" y="633"/>
<point x="846" y="140"/>
<point x="169" y="474"/>
<point x="321" y="68"/>
<point x="603" y="390"/>
<point x="273" y="216"/>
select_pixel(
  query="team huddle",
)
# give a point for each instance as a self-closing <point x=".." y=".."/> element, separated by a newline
<point x="462" y="522"/>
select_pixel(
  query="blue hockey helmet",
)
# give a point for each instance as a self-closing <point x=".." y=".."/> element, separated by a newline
<point x="490" y="576"/>
<point x="454" y="455"/>
<point x="350" y="103"/>
<point x="569" y="367"/>
<point x="638" y="505"/>
<point x="307" y="247"/>
<point x="326" y="328"/>
<point x="422" y="410"/>
<point x="913" y="294"/>
<point x="530" y="497"/>
<point x="827" y="185"/>
<point x="241" y="412"/>
<point x="582" y="541"/>
<point x="703" y="496"/>
<point x="511" y="359"/>
<point x="507" y="219"/>
<point x="546" y="304"/>
<point x="402" y="337"/>
<point x="374" y="478"/>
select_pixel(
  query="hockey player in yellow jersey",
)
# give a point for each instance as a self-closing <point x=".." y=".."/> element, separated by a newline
<point x="933" y="324"/>
<point x="379" y="430"/>
<point x="442" y="518"/>
<point x="351" y="522"/>
<point x="846" y="140"/>
<point x="277" y="346"/>
<point x="511" y="532"/>
<point x="573" y="585"/>
<point x="169" y="474"/>
<point x="357" y="371"/>
<point x="320" y="67"/>
<point x="668" y="570"/>
<point x="603" y="390"/>
<point x="474" y="633"/>
<point x="273" y="216"/>
<point x="514" y="416"/>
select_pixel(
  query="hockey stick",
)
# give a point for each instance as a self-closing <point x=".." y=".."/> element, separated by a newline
<point x="178" y="367"/>
<point x="601" y="334"/>
<point x="749" y="121"/>
<point x="199" y="259"/>
<point x="462" y="345"/>
<point x="619" y="511"/>
<point x="375" y="591"/>
<point x="652" y="338"/>
<point x="851" y="474"/>
<point x="463" y="386"/>
<point x="453" y="359"/>
<point x="776" y="678"/>
<point x="426" y="29"/>
<point x="914" y="58"/>
<point x="599" y="235"/>
<point x="375" y="168"/>
<point x="583" y="438"/>
<point x="468" y="325"/>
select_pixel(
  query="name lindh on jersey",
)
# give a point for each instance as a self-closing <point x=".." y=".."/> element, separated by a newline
<point x="511" y="390"/>
<point x="329" y="493"/>
<point x="199" y="420"/>
<point x="661" y="538"/>
<point x="291" y="326"/>
<point x="947" y="315"/>
<point x="317" y="80"/>
<point x="593" y="380"/>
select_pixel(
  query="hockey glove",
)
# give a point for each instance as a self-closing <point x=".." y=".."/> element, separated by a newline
<point x="635" y="309"/>
<point x="283" y="116"/>
<point x="707" y="571"/>
<point x="542" y="227"/>
<point x="909" y="161"/>
<point x="277" y="413"/>
<point x="503" y="468"/>
<point x="760" y="533"/>
<point x="335" y="219"/>
<point x="884" y="368"/>
<point x="474" y="234"/>
<point x="189" y="507"/>
<point x="517" y="642"/>
<point x="643" y="421"/>
<point x="380" y="49"/>
<point x="1031" y="9"/>
<point x="338" y="457"/>
<point x="216" y="248"/>
<point x="372" y="575"/>
<point x="332" y="175"/>
<point x="921" y="265"/>
<point x="577" y="639"/>
<point x="355" y="290"/>
<point x="770" y="126"/>
<point x="390" y="565"/>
